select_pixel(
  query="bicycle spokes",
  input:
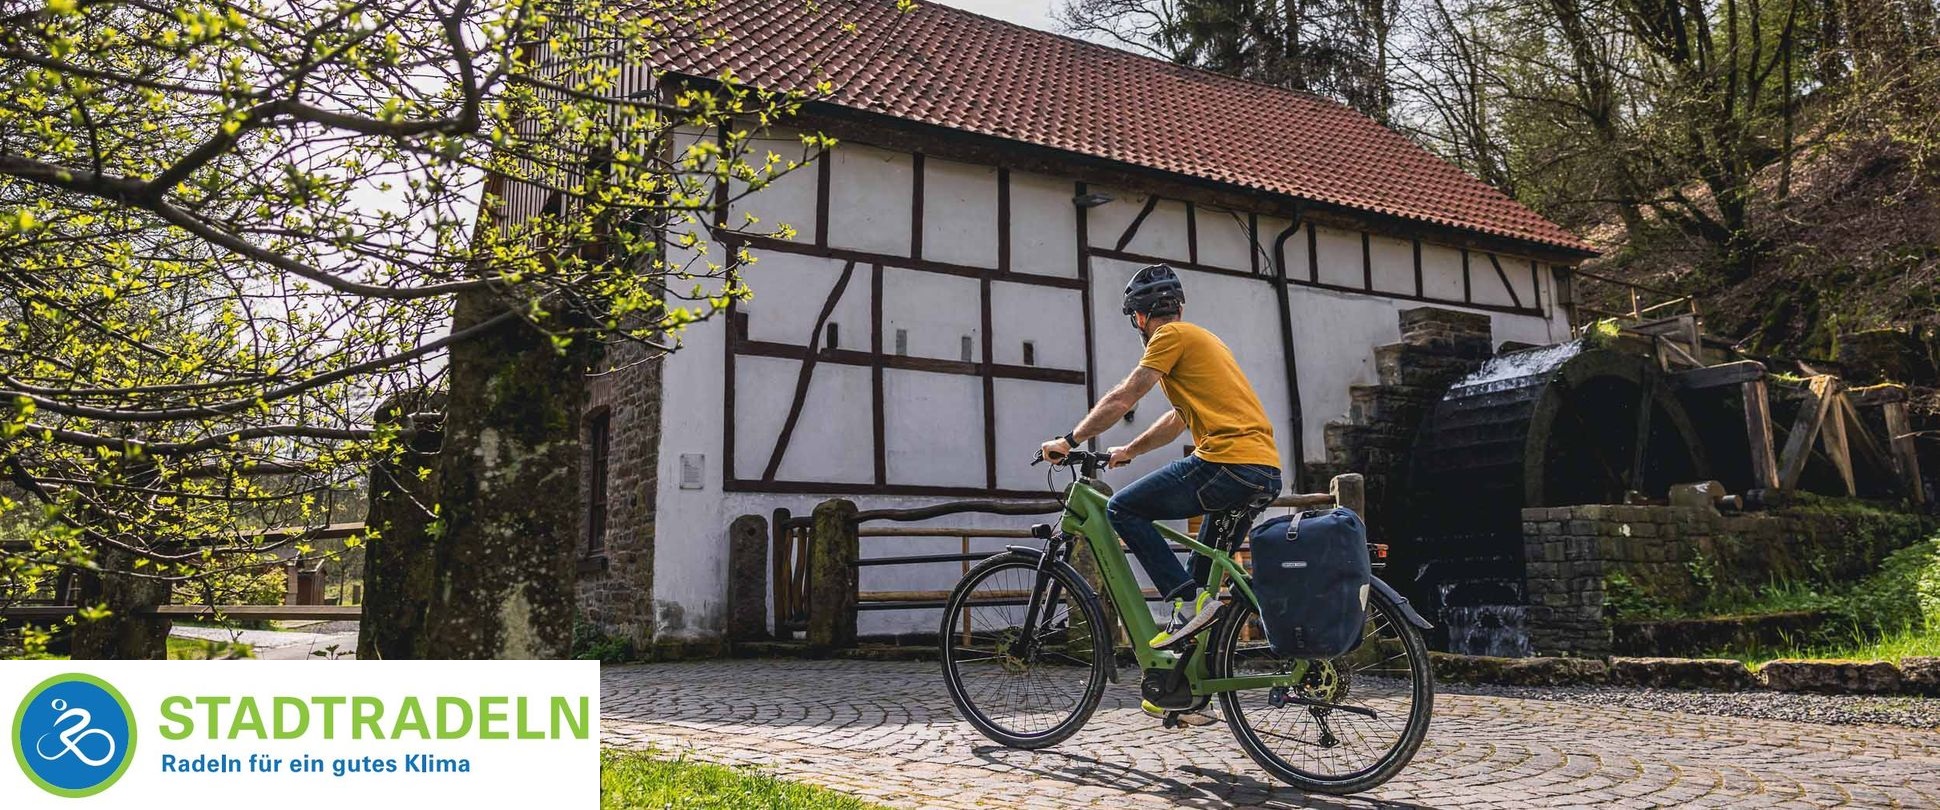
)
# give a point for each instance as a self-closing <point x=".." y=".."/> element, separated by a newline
<point x="1023" y="654"/>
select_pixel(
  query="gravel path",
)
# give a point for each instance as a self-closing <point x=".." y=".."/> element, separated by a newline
<point x="278" y="645"/>
<point x="1843" y="710"/>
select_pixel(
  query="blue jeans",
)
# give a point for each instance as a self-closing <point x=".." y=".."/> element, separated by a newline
<point x="1185" y="488"/>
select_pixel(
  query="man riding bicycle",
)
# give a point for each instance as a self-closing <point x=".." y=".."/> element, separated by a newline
<point x="1234" y="469"/>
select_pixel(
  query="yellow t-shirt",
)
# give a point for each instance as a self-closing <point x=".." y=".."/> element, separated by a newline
<point x="1204" y="384"/>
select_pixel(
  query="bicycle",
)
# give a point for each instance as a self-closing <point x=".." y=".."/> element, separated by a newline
<point x="1032" y="680"/>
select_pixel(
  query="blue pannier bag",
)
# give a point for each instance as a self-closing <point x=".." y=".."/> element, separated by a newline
<point x="1311" y="574"/>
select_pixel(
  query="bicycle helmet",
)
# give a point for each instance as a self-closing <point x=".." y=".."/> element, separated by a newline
<point x="1155" y="291"/>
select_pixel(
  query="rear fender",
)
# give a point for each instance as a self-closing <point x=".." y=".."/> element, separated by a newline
<point x="1407" y="610"/>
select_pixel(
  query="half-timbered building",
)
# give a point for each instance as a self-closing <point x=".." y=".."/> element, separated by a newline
<point x="952" y="295"/>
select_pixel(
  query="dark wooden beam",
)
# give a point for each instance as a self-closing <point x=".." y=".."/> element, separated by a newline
<point x="1798" y="444"/>
<point x="806" y="374"/>
<point x="1758" y="431"/>
<point x="1906" y="457"/>
<point x="934" y="365"/>
<point x="1834" y="440"/>
<point x="1718" y="376"/>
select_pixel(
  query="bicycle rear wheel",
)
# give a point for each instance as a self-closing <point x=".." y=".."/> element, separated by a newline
<point x="1331" y="750"/>
<point x="1025" y="687"/>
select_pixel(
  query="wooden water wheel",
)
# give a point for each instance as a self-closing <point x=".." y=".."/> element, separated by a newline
<point x="1550" y="426"/>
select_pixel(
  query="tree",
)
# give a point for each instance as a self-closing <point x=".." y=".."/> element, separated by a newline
<point x="1338" y="48"/>
<point x="233" y="228"/>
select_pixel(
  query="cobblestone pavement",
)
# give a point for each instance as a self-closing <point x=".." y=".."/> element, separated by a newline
<point x="887" y="731"/>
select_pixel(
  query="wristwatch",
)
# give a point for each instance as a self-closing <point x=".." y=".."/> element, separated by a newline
<point x="1070" y="440"/>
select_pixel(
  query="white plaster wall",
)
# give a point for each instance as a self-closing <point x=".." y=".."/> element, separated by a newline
<point x="910" y="301"/>
<point x="1488" y="284"/>
<point x="1340" y="258"/>
<point x="1225" y="239"/>
<point x="933" y="421"/>
<point x="869" y="199"/>
<point x="1051" y="319"/>
<point x="1028" y="413"/>
<point x="960" y="213"/>
<point x="1393" y="261"/>
<point x="1043" y="225"/>
<point x="1441" y="272"/>
<point x="932" y="428"/>
<point x="789" y="291"/>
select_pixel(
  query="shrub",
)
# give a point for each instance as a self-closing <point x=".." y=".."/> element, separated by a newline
<point x="590" y="643"/>
<point x="1903" y="594"/>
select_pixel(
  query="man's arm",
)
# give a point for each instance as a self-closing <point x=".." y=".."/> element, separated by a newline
<point x="1163" y="430"/>
<point x="1113" y="406"/>
<point x="1116" y="403"/>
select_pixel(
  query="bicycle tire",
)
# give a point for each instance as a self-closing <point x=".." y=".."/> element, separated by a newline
<point x="1381" y="612"/>
<point x="1083" y="600"/>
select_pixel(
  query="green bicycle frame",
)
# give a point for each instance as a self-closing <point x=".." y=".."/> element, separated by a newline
<point x="1084" y="517"/>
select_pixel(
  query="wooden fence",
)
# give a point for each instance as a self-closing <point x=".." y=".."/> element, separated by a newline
<point x="302" y="599"/>
<point x="817" y="559"/>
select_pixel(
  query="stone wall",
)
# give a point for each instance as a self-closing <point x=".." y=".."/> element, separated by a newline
<point x="1590" y="566"/>
<point x="1437" y="347"/>
<point x="616" y="582"/>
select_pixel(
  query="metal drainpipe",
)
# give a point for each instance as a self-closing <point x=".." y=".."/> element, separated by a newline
<point x="1286" y="349"/>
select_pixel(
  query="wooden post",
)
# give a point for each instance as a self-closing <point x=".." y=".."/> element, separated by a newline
<point x="1758" y="429"/>
<point x="832" y="554"/>
<point x="747" y="596"/>
<point x="1798" y="445"/>
<point x="783" y="576"/>
<point x="1833" y="439"/>
<point x="1899" y="436"/>
<point x="1350" y="490"/>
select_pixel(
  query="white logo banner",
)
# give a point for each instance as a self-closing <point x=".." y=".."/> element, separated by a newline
<point x="300" y="734"/>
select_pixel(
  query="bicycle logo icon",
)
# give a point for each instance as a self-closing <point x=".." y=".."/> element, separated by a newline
<point x="74" y="735"/>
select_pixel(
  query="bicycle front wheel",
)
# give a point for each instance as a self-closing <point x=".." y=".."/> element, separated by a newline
<point x="1381" y="694"/>
<point x="1025" y="684"/>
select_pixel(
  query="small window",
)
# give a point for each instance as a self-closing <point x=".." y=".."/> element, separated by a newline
<point x="902" y="342"/>
<point x="1030" y="353"/>
<point x="966" y="349"/>
<point x="832" y="339"/>
<point x="599" y="442"/>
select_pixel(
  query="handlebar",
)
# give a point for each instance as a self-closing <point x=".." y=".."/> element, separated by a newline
<point x="1088" y="463"/>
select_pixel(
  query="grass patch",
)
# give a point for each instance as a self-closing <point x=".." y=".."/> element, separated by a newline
<point x="1860" y="646"/>
<point x="196" y="649"/>
<point x="630" y="779"/>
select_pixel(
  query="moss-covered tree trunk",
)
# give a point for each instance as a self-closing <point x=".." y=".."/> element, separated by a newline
<point x="509" y="492"/>
<point x="127" y="633"/>
<point x="400" y="570"/>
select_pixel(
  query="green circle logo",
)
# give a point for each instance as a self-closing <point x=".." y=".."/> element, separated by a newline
<point x="74" y="735"/>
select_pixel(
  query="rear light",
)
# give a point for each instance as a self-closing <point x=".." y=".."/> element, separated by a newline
<point x="1377" y="551"/>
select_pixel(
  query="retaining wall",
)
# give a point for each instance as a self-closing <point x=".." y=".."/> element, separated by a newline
<point x="1592" y="566"/>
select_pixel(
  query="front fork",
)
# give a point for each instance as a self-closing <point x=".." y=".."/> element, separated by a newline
<point x="1044" y="592"/>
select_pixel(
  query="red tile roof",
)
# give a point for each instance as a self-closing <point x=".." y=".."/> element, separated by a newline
<point x="951" y="68"/>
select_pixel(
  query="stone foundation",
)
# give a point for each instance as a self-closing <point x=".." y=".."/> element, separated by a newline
<point x="1437" y="347"/>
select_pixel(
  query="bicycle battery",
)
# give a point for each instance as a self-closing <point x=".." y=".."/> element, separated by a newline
<point x="1311" y="574"/>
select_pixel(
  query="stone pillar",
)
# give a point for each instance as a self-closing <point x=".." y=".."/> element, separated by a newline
<point x="747" y="579"/>
<point x="832" y="553"/>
